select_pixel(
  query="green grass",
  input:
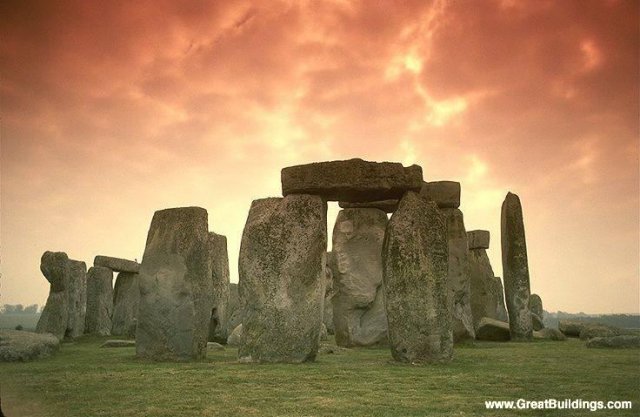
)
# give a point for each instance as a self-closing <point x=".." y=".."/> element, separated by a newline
<point x="85" y="380"/>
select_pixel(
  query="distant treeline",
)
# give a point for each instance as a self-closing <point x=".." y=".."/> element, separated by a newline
<point x="19" y="309"/>
<point x="625" y="321"/>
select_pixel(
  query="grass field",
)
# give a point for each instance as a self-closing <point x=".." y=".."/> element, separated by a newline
<point x="85" y="380"/>
<point x="27" y="321"/>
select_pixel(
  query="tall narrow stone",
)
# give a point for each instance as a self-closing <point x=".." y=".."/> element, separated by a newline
<point x="515" y="268"/>
<point x="220" y="284"/>
<point x="358" y="306"/>
<point x="329" y="293"/>
<point x="126" y="295"/>
<point x="77" y="290"/>
<point x="55" y="315"/>
<point x="415" y="270"/>
<point x="487" y="295"/>
<point x="234" y="309"/>
<point x="458" y="280"/>
<point x="537" y="315"/>
<point x="282" y="283"/>
<point x="99" y="301"/>
<point x="498" y="293"/>
<point x="175" y="287"/>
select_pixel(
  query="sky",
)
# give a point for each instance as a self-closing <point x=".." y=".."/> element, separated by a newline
<point x="113" y="110"/>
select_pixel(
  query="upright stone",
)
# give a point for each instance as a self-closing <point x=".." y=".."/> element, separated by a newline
<point x="415" y="270"/>
<point x="175" y="287"/>
<point x="515" y="268"/>
<point x="126" y="295"/>
<point x="55" y="315"/>
<point x="329" y="293"/>
<point x="498" y="293"/>
<point x="77" y="290"/>
<point x="234" y="309"/>
<point x="281" y="286"/>
<point x="220" y="283"/>
<point x="99" y="301"/>
<point x="487" y="295"/>
<point x="353" y="180"/>
<point x="458" y="278"/>
<point x="358" y="306"/>
<point x="535" y="305"/>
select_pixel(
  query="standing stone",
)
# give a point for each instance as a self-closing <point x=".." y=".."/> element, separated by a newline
<point x="126" y="295"/>
<point x="498" y="294"/>
<point x="515" y="268"/>
<point x="55" y="315"/>
<point x="329" y="293"/>
<point x="358" y="306"/>
<point x="281" y="286"/>
<point x="535" y="305"/>
<point x="415" y="270"/>
<point x="458" y="278"/>
<point x="175" y="287"/>
<point x="234" y="310"/>
<point x="487" y="295"/>
<point x="353" y="180"/>
<point x="77" y="291"/>
<point x="99" y="301"/>
<point x="220" y="283"/>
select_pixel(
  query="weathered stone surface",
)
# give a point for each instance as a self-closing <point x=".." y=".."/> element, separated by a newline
<point x="281" y="287"/>
<point x="415" y="269"/>
<point x="234" y="309"/>
<point x="493" y="330"/>
<point x="329" y="349"/>
<point x="77" y="290"/>
<point x="116" y="343"/>
<point x="622" y="341"/>
<point x="55" y="315"/>
<point x="479" y="239"/>
<point x="174" y="309"/>
<point x="591" y="330"/>
<point x="220" y="282"/>
<point x="515" y="268"/>
<point x="22" y="346"/>
<point x="359" y="315"/>
<point x="535" y="305"/>
<point x="126" y="295"/>
<point x="117" y="264"/>
<point x="388" y="206"/>
<point x="446" y="194"/>
<point x="549" y="334"/>
<point x="570" y="328"/>
<point x="497" y="294"/>
<point x="353" y="180"/>
<point x="214" y="346"/>
<point x="536" y="322"/>
<point x="329" y="293"/>
<point x="235" y="338"/>
<point x="99" y="301"/>
<point x="458" y="282"/>
<point x="323" y="332"/>
<point x="486" y="289"/>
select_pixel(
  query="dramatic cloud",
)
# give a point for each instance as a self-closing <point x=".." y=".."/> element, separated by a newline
<point x="112" y="110"/>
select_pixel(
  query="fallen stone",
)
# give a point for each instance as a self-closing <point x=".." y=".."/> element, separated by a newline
<point x="214" y="346"/>
<point x="458" y="282"/>
<point x="493" y="330"/>
<point x="126" y="295"/>
<point x="415" y="269"/>
<point x="359" y="315"/>
<point x="622" y="341"/>
<point x="99" y="301"/>
<point x="549" y="334"/>
<point x="174" y="309"/>
<point x="55" y="315"/>
<point x="117" y="264"/>
<point x="23" y="346"/>
<point x="591" y="330"/>
<point x="570" y="328"/>
<point x="220" y="282"/>
<point x="388" y="206"/>
<point x="446" y="194"/>
<point x="328" y="349"/>
<point x="281" y="286"/>
<point x="352" y="180"/>
<point x="77" y="290"/>
<point x="479" y="239"/>
<point x="515" y="268"/>
<point x="235" y="338"/>
<point x="118" y="343"/>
